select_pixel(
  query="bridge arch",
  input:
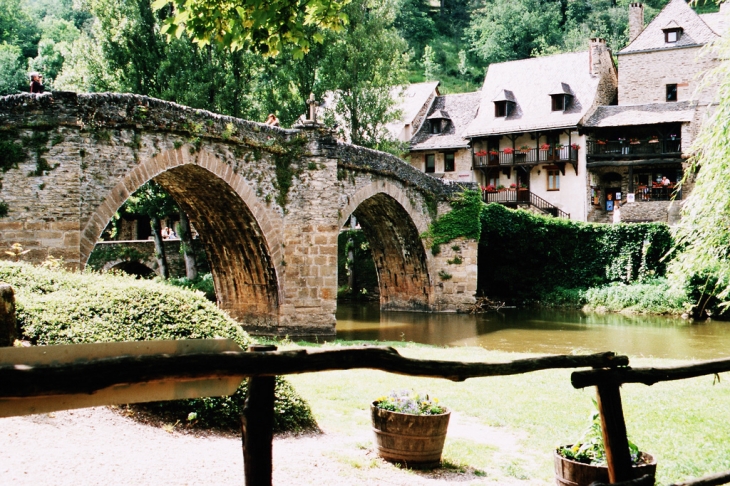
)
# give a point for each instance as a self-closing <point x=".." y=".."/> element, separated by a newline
<point x="242" y="237"/>
<point x="392" y="226"/>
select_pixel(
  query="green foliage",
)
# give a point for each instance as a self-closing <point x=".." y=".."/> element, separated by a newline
<point x="462" y="221"/>
<point x="268" y="27"/>
<point x="151" y="200"/>
<point x="12" y="74"/>
<point x="4" y="208"/>
<point x="202" y="283"/>
<point x="11" y="152"/>
<point x="590" y="449"/>
<point x="38" y="143"/>
<point x="523" y="256"/>
<point x="703" y="233"/>
<point x="409" y="402"/>
<point x="56" y="307"/>
<point x="285" y="170"/>
<point x="362" y="267"/>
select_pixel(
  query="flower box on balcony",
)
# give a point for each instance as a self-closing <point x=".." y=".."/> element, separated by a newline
<point x="508" y="150"/>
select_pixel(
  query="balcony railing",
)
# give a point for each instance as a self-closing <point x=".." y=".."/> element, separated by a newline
<point x="516" y="197"/>
<point x="635" y="147"/>
<point x="526" y="157"/>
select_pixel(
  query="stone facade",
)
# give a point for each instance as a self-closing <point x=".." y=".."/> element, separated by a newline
<point x="268" y="203"/>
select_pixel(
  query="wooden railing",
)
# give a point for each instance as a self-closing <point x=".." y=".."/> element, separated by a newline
<point x="24" y="381"/>
<point x="526" y="157"/>
<point x="512" y="197"/>
<point x="639" y="147"/>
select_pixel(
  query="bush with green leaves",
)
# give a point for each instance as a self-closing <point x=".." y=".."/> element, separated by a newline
<point x="524" y="256"/>
<point x="202" y="283"/>
<point x="57" y="307"/>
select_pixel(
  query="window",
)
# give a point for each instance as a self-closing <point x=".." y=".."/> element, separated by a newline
<point x="553" y="179"/>
<point x="671" y="92"/>
<point x="503" y="108"/>
<point x="449" y="162"/>
<point x="672" y="35"/>
<point x="435" y="126"/>
<point x="493" y="180"/>
<point x="430" y="163"/>
<point x="560" y="102"/>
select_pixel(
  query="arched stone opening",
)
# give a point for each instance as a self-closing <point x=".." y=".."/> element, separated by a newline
<point x="236" y="230"/>
<point x="243" y="272"/>
<point x="398" y="253"/>
<point x="135" y="268"/>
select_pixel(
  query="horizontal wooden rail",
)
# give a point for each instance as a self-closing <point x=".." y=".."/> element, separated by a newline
<point x="647" y="376"/>
<point x="25" y="380"/>
<point x="713" y="480"/>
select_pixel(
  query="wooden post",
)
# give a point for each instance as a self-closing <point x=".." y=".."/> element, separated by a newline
<point x="257" y="424"/>
<point x="618" y="456"/>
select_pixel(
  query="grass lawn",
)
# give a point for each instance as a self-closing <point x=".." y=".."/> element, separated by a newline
<point x="684" y="424"/>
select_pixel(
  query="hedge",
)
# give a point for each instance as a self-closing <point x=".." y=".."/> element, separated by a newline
<point x="523" y="256"/>
<point x="57" y="307"/>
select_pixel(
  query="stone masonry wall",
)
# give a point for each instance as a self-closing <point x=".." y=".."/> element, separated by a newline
<point x="268" y="203"/>
<point x="644" y="75"/>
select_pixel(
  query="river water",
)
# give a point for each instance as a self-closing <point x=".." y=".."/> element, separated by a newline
<point x="541" y="331"/>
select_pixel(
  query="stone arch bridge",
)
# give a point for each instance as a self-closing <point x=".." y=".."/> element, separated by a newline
<point x="268" y="202"/>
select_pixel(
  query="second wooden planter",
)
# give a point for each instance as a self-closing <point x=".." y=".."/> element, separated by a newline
<point x="415" y="441"/>
<point x="573" y="473"/>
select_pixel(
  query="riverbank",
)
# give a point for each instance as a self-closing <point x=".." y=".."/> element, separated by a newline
<point x="503" y="432"/>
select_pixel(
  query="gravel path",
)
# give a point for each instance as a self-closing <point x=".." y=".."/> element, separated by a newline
<point x="98" y="446"/>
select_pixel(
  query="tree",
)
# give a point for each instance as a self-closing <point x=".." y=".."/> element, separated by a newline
<point x="153" y="201"/>
<point x="186" y="246"/>
<point x="362" y="66"/>
<point x="12" y="74"/>
<point x="703" y="233"/>
<point x="266" y="26"/>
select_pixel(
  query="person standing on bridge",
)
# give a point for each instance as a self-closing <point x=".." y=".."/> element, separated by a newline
<point x="36" y="83"/>
<point x="272" y="120"/>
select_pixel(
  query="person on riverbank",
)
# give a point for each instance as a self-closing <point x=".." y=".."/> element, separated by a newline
<point x="36" y="83"/>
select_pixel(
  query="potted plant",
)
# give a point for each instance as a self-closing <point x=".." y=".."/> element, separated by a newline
<point x="634" y="141"/>
<point x="525" y="149"/>
<point x="523" y="187"/>
<point x="513" y="186"/>
<point x="490" y="188"/>
<point x="545" y="146"/>
<point x="508" y="150"/>
<point x="584" y="462"/>
<point x="481" y="153"/>
<point x="501" y="188"/>
<point x="574" y="146"/>
<point x="410" y="428"/>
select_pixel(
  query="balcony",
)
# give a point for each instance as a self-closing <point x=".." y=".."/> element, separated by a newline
<point x="509" y="158"/>
<point x="633" y="148"/>
<point x="523" y="197"/>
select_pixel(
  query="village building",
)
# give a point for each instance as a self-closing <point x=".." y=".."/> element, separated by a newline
<point x="526" y="146"/>
<point x="439" y="147"/>
<point x="637" y="150"/>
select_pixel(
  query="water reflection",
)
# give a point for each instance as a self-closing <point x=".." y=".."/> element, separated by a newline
<point x="541" y="331"/>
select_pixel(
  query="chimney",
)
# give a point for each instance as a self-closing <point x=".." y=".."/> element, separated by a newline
<point x="636" y="20"/>
<point x="595" y="53"/>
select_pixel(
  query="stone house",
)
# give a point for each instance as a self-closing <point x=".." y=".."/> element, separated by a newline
<point x="646" y="137"/>
<point x="525" y="137"/>
<point x="439" y="148"/>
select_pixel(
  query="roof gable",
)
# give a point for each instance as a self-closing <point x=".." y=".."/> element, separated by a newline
<point x="531" y="82"/>
<point x="676" y="14"/>
<point x="460" y="109"/>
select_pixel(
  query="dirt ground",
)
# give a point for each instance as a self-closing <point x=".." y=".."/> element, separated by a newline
<point x="101" y="446"/>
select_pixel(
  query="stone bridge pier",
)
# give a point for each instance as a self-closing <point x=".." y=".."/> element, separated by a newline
<point x="268" y="203"/>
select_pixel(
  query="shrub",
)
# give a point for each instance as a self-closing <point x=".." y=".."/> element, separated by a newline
<point x="202" y="283"/>
<point x="57" y="307"/>
<point x="654" y="296"/>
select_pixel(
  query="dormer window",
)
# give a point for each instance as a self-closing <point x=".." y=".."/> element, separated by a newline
<point x="435" y="126"/>
<point x="439" y="121"/>
<point x="504" y="103"/>
<point x="672" y="32"/>
<point x="561" y="97"/>
<point x="561" y="102"/>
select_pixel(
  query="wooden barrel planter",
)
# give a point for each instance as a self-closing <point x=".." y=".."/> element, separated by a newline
<point x="415" y="441"/>
<point x="573" y="473"/>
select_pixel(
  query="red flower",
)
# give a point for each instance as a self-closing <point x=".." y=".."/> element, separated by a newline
<point x="508" y="150"/>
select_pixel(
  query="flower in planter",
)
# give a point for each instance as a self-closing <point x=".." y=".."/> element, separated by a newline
<point x="545" y="146"/>
<point x="493" y="152"/>
<point x="508" y="150"/>
<point x="500" y="187"/>
<point x="481" y="153"/>
<point x="490" y="188"/>
<point x="409" y="402"/>
<point x="523" y="186"/>
<point x="525" y="148"/>
<point x="574" y="146"/>
<point x="559" y="146"/>
<point x="634" y="141"/>
<point x="601" y="142"/>
<point x="513" y="186"/>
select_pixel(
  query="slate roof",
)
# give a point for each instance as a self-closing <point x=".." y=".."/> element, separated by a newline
<point x="461" y="109"/>
<point x="411" y="100"/>
<point x="530" y="82"/>
<point x="697" y="29"/>
<point x="649" y="114"/>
